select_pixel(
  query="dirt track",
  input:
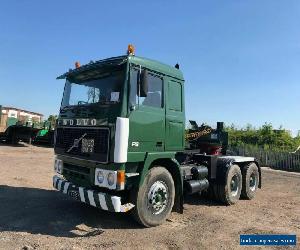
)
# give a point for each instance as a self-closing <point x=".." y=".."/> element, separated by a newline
<point x="34" y="216"/>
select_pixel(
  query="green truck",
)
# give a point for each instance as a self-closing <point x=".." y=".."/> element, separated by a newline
<point x="120" y="143"/>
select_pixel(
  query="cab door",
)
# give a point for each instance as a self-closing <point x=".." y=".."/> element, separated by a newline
<point x="147" y="114"/>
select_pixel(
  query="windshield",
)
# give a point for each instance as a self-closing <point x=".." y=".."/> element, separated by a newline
<point x="104" y="90"/>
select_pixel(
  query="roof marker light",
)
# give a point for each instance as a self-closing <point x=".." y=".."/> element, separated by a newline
<point x="77" y="65"/>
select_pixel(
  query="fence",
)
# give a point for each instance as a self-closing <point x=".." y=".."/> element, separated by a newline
<point x="277" y="160"/>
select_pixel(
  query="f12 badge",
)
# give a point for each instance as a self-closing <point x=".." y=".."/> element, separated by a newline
<point x="135" y="144"/>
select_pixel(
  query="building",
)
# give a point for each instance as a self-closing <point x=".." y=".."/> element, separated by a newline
<point x="11" y="116"/>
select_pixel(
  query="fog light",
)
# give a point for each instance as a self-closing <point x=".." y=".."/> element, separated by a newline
<point x="100" y="177"/>
<point x="110" y="179"/>
<point x="59" y="166"/>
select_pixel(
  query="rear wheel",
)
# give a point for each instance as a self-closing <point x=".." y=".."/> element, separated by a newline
<point x="250" y="181"/>
<point x="155" y="198"/>
<point x="230" y="192"/>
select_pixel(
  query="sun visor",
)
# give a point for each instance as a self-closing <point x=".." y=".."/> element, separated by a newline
<point x="94" y="69"/>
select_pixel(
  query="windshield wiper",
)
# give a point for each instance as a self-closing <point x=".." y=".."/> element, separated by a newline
<point x="65" y="108"/>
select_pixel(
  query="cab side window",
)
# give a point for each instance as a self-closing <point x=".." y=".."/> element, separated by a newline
<point x="154" y="96"/>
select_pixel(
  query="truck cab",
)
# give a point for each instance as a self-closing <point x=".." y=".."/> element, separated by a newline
<point x="120" y="138"/>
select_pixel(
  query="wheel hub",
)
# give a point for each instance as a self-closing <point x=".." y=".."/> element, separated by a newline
<point x="234" y="185"/>
<point x="158" y="197"/>
<point x="252" y="182"/>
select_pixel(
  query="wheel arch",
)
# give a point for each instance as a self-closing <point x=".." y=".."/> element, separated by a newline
<point x="169" y="162"/>
<point x="173" y="167"/>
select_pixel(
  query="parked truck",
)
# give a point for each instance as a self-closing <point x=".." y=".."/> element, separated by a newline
<point x="15" y="133"/>
<point x="120" y="143"/>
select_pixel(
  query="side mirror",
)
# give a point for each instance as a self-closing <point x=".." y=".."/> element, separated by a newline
<point x="142" y="83"/>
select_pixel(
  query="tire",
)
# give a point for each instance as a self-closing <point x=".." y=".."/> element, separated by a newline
<point x="154" y="200"/>
<point x="230" y="192"/>
<point x="250" y="181"/>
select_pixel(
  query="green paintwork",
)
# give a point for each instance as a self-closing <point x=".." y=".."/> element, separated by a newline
<point x="175" y="116"/>
<point x="157" y="66"/>
<point x="158" y="131"/>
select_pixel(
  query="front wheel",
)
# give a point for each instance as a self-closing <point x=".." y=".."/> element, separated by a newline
<point x="155" y="198"/>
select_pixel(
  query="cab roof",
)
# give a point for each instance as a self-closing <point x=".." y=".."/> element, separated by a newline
<point x="120" y="60"/>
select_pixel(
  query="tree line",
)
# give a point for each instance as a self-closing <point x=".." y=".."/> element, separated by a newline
<point x="266" y="137"/>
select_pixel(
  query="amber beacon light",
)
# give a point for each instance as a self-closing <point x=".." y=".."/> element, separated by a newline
<point x="130" y="49"/>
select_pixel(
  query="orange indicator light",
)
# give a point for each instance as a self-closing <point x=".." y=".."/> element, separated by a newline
<point x="121" y="176"/>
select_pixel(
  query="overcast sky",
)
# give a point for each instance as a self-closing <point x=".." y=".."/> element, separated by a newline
<point x="240" y="59"/>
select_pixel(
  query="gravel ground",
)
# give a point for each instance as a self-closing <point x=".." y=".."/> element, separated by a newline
<point x="34" y="216"/>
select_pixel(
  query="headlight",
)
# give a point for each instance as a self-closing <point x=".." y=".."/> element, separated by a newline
<point x="110" y="179"/>
<point x="105" y="178"/>
<point x="100" y="177"/>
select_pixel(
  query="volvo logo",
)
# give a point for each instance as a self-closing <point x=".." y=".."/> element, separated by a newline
<point x="76" y="143"/>
<point x="77" y="122"/>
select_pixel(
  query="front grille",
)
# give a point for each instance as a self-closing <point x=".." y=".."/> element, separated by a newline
<point x="69" y="141"/>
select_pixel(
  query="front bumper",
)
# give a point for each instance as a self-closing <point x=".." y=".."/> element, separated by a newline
<point x="97" y="199"/>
